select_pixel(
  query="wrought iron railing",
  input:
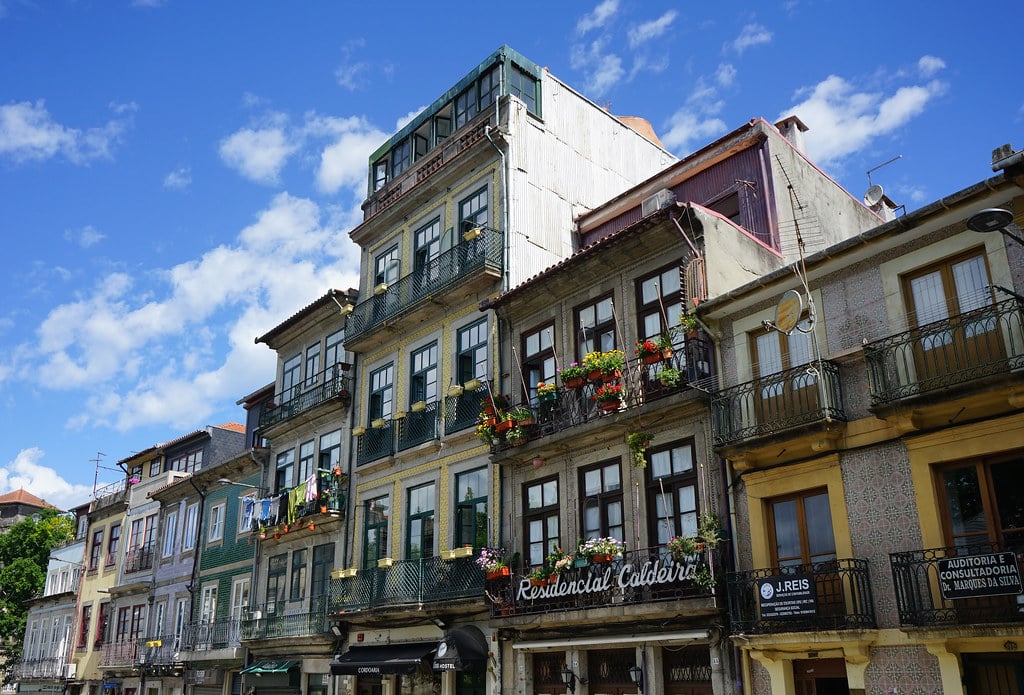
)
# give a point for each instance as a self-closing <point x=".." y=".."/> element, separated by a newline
<point x="460" y="412"/>
<point x="204" y="636"/>
<point x="838" y="597"/>
<point x="418" y="427"/>
<point x="163" y="649"/>
<point x="408" y="582"/>
<point x="641" y="383"/>
<point x="646" y="575"/>
<point x="332" y="383"/>
<point x="139" y="559"/>
<point x="121" y="653"/>
<point x="450" y="268"/>
<point x="375" y="443"/>
<point x="960" y="350"/>
<point x="925" y="597"/>
<point x="26" y="669"/>
<point x="778" y="402"/>
<point x="273" y="619"/>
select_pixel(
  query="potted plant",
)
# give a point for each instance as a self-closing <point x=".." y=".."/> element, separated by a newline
<point x="559" y="561"/>
<point x="709" y="529"/>
<point x="682" y="547"/>
<point x="648" y="351"/>
<point x="669" y="376"/>
<point x="494" y="562"/>
<point x="516" y="436"/>
<point x="609" y="397"/>
<point x="638" y="443"/>
<point x="485" y="430"/>
<point x="612" y="364"/>
<point x="539" y="576"/>
<point x="593" y="365"/>
<point x="546" y="392"/>
<point x="601" y="550"/>
<point x="522" y="415"/>
<point x="688" y="325"/>
<point x="573" y="376"/>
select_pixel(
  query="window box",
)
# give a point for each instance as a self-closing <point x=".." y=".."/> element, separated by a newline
<point x="418" y="406"/>
<point x="465" y="551"/>
<point x="345" y="573"/>
<point x="378" y="424"/>
<point x="386" y="562"/>
<point x="358" y="431"/>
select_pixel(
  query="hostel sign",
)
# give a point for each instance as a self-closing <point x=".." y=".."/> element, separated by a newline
<point x="976" y="576"/>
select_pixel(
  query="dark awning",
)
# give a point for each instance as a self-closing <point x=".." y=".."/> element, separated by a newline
<point x="270" y="667"/>
<point x="463" y="649"/>
<point x="392" y="658"/>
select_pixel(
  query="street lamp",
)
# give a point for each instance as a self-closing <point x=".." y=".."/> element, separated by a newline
<point x="569" y="679"/>
<point x="993" y="220"/>
<point x="636" y="674"/>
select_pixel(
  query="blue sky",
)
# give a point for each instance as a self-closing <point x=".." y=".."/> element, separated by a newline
<point x="177" y="177"/>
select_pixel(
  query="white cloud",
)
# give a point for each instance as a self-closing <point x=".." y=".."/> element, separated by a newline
<point x="725" y="75"/>
<point x="44" y="482"/>
<point x="257" y="154"/>
<point x="29" y="133"/>
<point x="85" y="237"/>
<point x="598" y="17"/>
<point x="843" y="119"/>
<point x="696" y="120"/>
<point x="642" y="33"/>
<point x="928" y="66"/>
<point x="350" y="73"/>
<point x="601" y="71"/>
<point x="751" y="35"/>
<point x="343" y="163"/>
<point x="178" y="179"/>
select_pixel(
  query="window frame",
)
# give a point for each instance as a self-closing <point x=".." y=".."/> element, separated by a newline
<point x="475" y="208"/>
<point x="544" y="514"/>
<point x="539" y="364"/>
<point x="427" y="518"/>
<point x="379" y="524"/>
<point x="603" y="329"/>
<point x="216" y="522"/>
<point x="381" y="396"/>
<point x="668" y="487"/>
<point x="607" y="498"/>
<point x="113" y="543"/>
<point x="423" y="373"/>
<point x="465" y="505"/>
<point x="170" y="533"/>
<point x="472" y="360"/>
<point x="297" y="581"/>
<point x="190" y="528"/>
<point x="806" y="558"/>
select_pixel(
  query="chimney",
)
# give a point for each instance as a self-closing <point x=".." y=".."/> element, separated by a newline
<point x="793" y="129"/>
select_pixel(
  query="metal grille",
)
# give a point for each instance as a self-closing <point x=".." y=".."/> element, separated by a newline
<point x="416" y="428"/>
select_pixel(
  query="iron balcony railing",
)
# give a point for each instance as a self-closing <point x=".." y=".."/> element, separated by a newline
<point x="959" y="350"/>
<point x="408" y="582"/>
<point x="122" y="653"/>
<point x="160" y="650"/>
<point x="204" y="636"/>
<point x="836" y="597"/>
<point x="273" y="619"/>
<point x="418" y="427"/>
<point x="642" y="383"/>
<point x="330" y="384"/>
<point x="963" y="585"/>
<point x="460" y="412"/>
<point x="27" y="669"/>
<point x="642" y="576"/>
<point x="778" y="402"/>
<point x="375" y="443"/>
<point x="468" y="257"/>
<point x="139" y="559"/>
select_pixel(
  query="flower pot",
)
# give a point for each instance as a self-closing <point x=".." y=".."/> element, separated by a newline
<point x="263" y="536"/>
<point x="575" y="382"/>
<point x="499" y="573"/>
<point x="601" y="559"/>
<point x="464" y="551"/>
<point x="385" y="562"/>
<point x="608" y="377"/>
<point x="504" y="426"/>
<point x="516" y="441"/>
<point x="666" y="353"/>
<point x="489" y="410"/>
<point x="323" y="508"/>
<point x="553" y="579"/>
<point x="652" y="358"/>
<point x="579" y="562"/>
<point x="525" y="422"/>
<point x="490" y="422"/>
<point x="277" y="535"/>
<point x="548" y="397"/>
<point x="539" y="582"/>
<point x="595" y="375"/>
<point x="610" y="406"/>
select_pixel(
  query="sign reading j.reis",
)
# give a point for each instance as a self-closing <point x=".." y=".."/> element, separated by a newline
<point x="787" y="596"/>
<point x="973" y="576"/>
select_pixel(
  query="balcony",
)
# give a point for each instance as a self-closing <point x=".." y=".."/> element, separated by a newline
<point x="332" y="384"/>
<point x="461" y="411"/>
<point x="408" y="582"/>
<point x="458" y="274"/>
<point x="159" y="651"/>
<point x="933" y="589"/>
<point x="634" y="578"/>
<point x="418" y="427"/>
<point x="830" y="595"/>
<point x="46" y="668"/>
<point x="203" y="636"/>
<point x="568" y="408"/>
<point x="139" y="559"/>
<point x="969" y="351"/>
<point x="273" y="620"/>
<point x="121" y="654"/>
<point x="376" y="443"/>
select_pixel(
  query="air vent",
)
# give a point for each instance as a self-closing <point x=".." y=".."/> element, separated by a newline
<point x="70" y="671"/>
<point x="659" y="200"/>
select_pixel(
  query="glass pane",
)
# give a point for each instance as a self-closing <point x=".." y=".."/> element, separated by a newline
<point x="963" y="497"/>
<point x="769" y="358"/>
<point x="533" y="497"/>
<point x="1008" y="481"/>
<point x="661" y="464"/>
<point x="818" y="519"/>
<point x="612" y="481"/>
<point x="682" y="459"/>
<point x="929" y="302"/>
<point x="787" y="532"/>
<point x="550" y="493"/>
<point x="649" y="290"/>
<point x="591" y="483"/>
<point x="604" y="311"/>
<point x="971" y="281"/>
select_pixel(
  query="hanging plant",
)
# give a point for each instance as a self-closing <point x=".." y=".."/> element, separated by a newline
<point x="638" y="443"/>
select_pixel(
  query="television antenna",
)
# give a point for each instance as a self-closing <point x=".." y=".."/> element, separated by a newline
<point x="875" y="192"/>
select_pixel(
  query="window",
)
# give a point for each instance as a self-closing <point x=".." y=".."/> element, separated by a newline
<point x="170" y="533"/>
<point x="595" y="327"/>
<point x="330" y="450"/>
<point x="782" y="394"/>
<point x="113" y="543"/>
<point x="84" y="626"/>
<point x="140" y="537"/>
<point x="291" y="377"/>
<point x="103" y="623"/>
<point x="540" y="519"/>
<point x="465" y="106"/>
<point x="95" y="549"/>
<point x="601" y="508"/>
<point x="800" y="527"/>
<point x="239" y="602"/>
<point x="154" y="468"/>
<point x="728" y="207"/>
<point x="981" y="501"/>
<point x="401" y="157"/>
<point x="488" y="86"/>
<point x="188" y="537"/>
<point x="298" y="585"/>
<point x="179" y="622"/>
<point x="188" y="463"/>
<point x="471" y="508"/>
<point x="659" y="302"/>
<point x="334" y="353"/>
<point x="208" y="604"/>
<point x="538" y="359"/>
<point x="423" y="377"/>
<point x="305" y="460"/>
<point x="323" y="559"/>
<point x="382" y="392"/>
<point x="312" y="364"/>
<point x="474" y="209"/>
<point x="427" y="242"/>
<point x="420" y="532"/>
<point x="672" y="493"/>
<point x="285" y="473"/>
<point x="386" y="267"/>
<point x="215" y="530"/>
<point x="277" y="571"/>
<point x="129" y="623"/>
<point x="524" y="86"/>
<point x="472" y="352"/>
<point x="157" y="628"/>
<point x="375" y="535"/>
<point x="380" y="173"/>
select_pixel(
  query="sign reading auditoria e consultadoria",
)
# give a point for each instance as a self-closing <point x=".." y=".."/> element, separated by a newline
<point x="976" y="576"/>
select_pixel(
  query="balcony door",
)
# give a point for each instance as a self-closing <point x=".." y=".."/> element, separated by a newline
<point x="239" y="603"/>
<point x="983" y="502"/>
<point x="803" y="542"/>
<point x="784" y="391"/>
<point x="949" y="305"/>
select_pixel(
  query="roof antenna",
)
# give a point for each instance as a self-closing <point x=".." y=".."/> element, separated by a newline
<point x="875" y="192"/>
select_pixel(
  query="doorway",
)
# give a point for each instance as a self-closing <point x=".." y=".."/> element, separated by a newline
<point x="994" y="674"/>
<point x="820" y="677"/>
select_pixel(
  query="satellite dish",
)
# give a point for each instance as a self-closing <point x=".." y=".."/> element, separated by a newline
<point x="873" y="195"/>
<point x="788" y="311"/>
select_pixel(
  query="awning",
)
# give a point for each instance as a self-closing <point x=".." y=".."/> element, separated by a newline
<point x="392" y="658"/>
<point x="270" y="667"/>
<point x="463" y="649"/>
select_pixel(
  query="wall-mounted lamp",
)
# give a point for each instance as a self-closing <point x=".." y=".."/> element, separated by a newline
<point x="993" y="220"/>
<point x="337" y="630"/>
<point x="569" y="679"/>
<point x="347" y="309"/>
<point x="636" y="675"/>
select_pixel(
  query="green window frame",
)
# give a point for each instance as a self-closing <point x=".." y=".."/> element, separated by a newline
<point x="382" y="392"/>
<point x="375" y="529"/>
<point x="277" y="571"/>
<point x="419" y="537"/>
<point x="297" y="591"/>
<point x="320" y="580"/>
<point x="423" y="374"/>
<point x="471" y="356"/>
<point x="471" y="508"/>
